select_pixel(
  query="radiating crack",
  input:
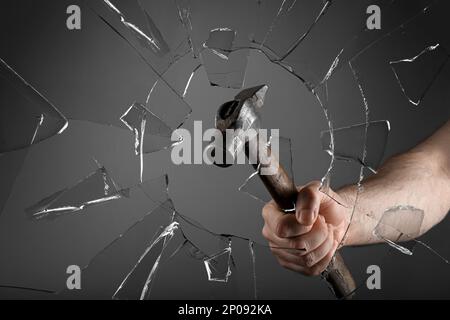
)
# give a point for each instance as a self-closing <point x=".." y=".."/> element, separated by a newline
<point x="428" y="63"/>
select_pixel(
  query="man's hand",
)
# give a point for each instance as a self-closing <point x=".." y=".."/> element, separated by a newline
<point x="306" y="242"/>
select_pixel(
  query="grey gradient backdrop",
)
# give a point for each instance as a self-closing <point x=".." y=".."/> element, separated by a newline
<point x="78" y="70"/>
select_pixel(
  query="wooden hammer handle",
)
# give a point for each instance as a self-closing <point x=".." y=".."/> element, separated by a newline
<point x="284" y="192"/>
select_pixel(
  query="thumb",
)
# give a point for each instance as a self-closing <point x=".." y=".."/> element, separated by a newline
<point x="308" y="204"/>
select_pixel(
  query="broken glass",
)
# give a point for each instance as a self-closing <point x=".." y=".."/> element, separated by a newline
<point x="349" y="143"/>
<point x="220" y="41"/>
<point x="411" y="219"/>
<point x="218" y="266"/>
<point x="428" y="63"/>
<point x="226" y="71"/>
<point x="142" y="121"/>
<point x="27" y="117"/>
<point x="96" y="188"/>
<point x="174" y="39"/>
<point x="159" y="39"/>
<point x="407" y="233"/>
<point x="141" y="243"/>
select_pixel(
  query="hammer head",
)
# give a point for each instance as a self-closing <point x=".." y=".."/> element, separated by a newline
<point x="241" y="115"/>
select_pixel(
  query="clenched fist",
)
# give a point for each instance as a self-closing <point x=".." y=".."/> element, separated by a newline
<point x="306" y="241"/>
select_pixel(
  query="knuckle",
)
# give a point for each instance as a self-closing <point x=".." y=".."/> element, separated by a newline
<point x="265" y="211"/>
<point x="265" y="232"/>
<point x="279" y="229"/>
<point x="299" y="244"/>
<point x="315" y="271"/>
<point x="309" y="259"/>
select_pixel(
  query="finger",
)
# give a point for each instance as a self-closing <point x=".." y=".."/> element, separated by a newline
<point x="280" y="243"/>
<point x="315" y="256"/>
<point x="302" y="244"/>
<point x="308" y="204"/>
<point x="285" y="254"/>
<point x="313" y="239"/>
<point x="292" y="266"/>
<point x="283" y="225"/>
<point x="319" y="267"/>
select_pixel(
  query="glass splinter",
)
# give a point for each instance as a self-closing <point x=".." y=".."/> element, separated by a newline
<point x="26" y="117"/>
<point x="163" y="239"/>
<point x="224" y="67"/>
<point x="350" y="143"/>
<point x="221" y="41"/>
<point x="411" y="221"/>
<point x="416" y="75"/>
<point x="146" y="32"/>
<point x="142" y="122"/>
<point x="226" y="72"/>
<point x="96" y="188"/>
<point x="251" y="246"/>
<point x="218" y="266"/>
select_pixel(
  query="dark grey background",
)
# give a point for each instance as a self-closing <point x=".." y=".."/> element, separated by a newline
<point x="80" y="70"/>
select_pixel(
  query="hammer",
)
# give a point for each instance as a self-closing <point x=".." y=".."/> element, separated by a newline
<point x="242" y="116"/>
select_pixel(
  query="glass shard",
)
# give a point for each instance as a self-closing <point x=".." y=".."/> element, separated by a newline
<point x="293" y="22"/>
<point x="158" y="39"/>
<point x="142" y="122"/>
<point x="346" y="43"/>
<point x="218" y="266"/>
<point x="351" y="142"/>
<point x="133" y="254"/>
<point x="401" y="223"/>
<point x="252" y="253"/>
<point x="26" y="116"/>
<point x="96" y="188"/>
<point x="428" y="64"/>
<point x="226" y="71"/>
<point x="161" y="42"/>
<point x="155" y="251"/>
<point x="220" y="41"/>
<point x="166" y="105"/>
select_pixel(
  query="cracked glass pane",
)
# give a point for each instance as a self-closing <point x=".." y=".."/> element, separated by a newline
<point x="96" y="188"/>
<point x="226" y="71"/>
<point x="133" y="21"/>
<point x="155" y="253"/>
<point x="348" y="143"/>
<point x="134" y="253"/>
<point x="27" y="117"/>
<point x="406" y="235"/>
<point x="218" y="266"/>
<point x="429" y="63"/>
<point x="142" y="121"/>
<point x="220" y="41"/>
<point x="349" y="41"/>
<point x="159" y="39"/>
<point x="411" y="218"/>
<point x="151" y="66"/>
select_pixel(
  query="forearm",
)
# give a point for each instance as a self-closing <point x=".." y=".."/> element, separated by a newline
<point x="419" y="178"/>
